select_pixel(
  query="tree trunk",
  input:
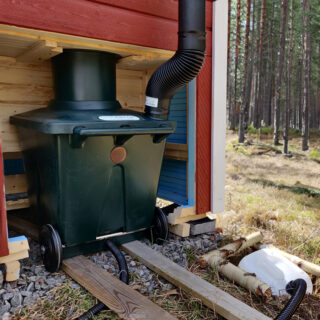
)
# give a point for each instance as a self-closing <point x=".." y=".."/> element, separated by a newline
<point x="229" y="96"/>
<point x="306" y="89"/>
<point x="277" y="97"/>
<point x="236" y="64"/>
<point x="288" y="91"/>
<point x="244" y="105"/>
<point x="260" y="67"/>
<point x="256" y="115"/>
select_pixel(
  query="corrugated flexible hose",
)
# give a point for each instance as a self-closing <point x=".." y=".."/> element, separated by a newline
<point x="123" y="275"/>
<point x="186" y="62"/>
<point x="297" y="289"/>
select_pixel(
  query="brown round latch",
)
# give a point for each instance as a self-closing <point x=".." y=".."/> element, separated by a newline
<point x="118" y="154"/>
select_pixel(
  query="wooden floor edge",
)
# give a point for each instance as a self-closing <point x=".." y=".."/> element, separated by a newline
<point x="211" y="296"/>
<point x="119" y="297"/>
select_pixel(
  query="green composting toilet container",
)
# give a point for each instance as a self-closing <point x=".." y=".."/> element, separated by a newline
<point x="92" y="167"/>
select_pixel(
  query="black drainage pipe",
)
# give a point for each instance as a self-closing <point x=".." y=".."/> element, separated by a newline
<point x="123" y="275"/>
<point x="297" y="289"/>
<point x="184" y="65"/>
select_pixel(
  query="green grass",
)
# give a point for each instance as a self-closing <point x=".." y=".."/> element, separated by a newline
<point x="64" y="303"/>
<point x="314" y="154"/>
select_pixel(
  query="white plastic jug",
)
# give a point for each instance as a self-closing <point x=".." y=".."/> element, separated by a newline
<point x="273" y="269"/>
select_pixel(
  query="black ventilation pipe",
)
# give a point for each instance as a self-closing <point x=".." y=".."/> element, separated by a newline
<point x="184" y="65"/>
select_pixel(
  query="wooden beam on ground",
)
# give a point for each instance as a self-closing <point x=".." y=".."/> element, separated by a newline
<point x="119" y="297"/>
<point x="40" y="51"/>
<point x="23" y="226"/>
<point x="181" y="230"/>
<point x="213" y="297"/>
<point x="12" y="270"/>
<point x="15" y="256"/>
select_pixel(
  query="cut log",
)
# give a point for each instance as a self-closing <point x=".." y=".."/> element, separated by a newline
<point x="244" y="279"/>
<point x="307" y="266"/>
<point x="211" y="296"/>
<point x="216" y="259"/>
<point x="217" y="256"/>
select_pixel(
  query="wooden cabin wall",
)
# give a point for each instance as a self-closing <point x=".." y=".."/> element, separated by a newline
<point x="25" y="87"/>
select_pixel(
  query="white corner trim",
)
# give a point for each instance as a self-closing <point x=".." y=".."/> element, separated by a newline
<point x="219" y="94"/>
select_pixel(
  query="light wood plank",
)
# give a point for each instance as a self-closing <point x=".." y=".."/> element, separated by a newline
<point x="18" y="204"/>
<point x="119" y="297"/>
<point x="17" y="246"/>
<point x="12" y="270"/>
<point x="25" y="86"/>
<point x="213" y="297"/>
<point x="176" y="151"/>
<point x="181" y="230"/>
<point x="15" y="256"/>
<point x="23" y="37"/>
<point x="16" y="183"/>
<point x="40" y="51"/>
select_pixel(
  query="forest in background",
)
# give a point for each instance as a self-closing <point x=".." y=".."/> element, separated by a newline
<point x="274" y="68"/>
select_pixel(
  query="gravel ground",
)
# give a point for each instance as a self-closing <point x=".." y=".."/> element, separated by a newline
<point x="35" y="282"/>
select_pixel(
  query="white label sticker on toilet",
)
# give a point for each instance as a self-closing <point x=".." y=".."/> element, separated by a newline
<point x="152" y="102"/>
<point x="119" y="118"/>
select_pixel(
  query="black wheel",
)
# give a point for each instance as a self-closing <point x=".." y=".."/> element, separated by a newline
<point x="50" y="247"/>
<point x="160" y="229"/>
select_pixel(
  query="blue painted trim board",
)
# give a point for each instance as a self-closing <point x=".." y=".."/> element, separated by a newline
<point x="16" y="239"/>
<point x="191" y="141"/>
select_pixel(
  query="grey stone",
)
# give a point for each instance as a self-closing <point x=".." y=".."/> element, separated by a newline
<point x="14" y="310"/>
<point x="1" y="279"/>
<point x="7" y="296"/>
<point x="30" y="287"/>
<point x="6" y="316"/>
<point x="35" y="295"/>
<point x="41" y="293"/>
<point x="7" y="286"/>
<point x="51" y="281"/>
<point x="22" y="282"/>
<point x="27" y="301"/>
<point x="37" y="286"/>
<point x="38" y="270"/>
<point x="16" y="301"/>
<point x="5" y="308"/>
<point x="32" y="278"/>
<point x="132" y="264"/>
<point x="44" y="286"/>
<point x="75" y="286"/>
<point x="26" y="293"/>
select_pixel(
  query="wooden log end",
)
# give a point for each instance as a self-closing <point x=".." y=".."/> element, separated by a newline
<point x="203" y="263"/>
<point x="264" y="293"/>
